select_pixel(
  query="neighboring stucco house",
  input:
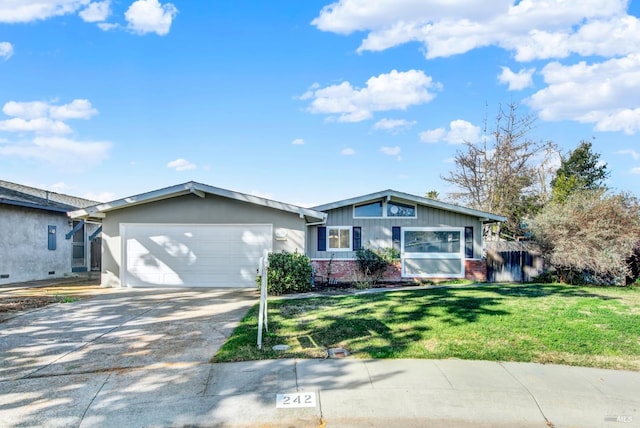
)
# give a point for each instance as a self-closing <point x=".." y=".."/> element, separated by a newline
<point x="434" y="239"/>
<point x="37" y="238"/>
<point x="195" y="235"/>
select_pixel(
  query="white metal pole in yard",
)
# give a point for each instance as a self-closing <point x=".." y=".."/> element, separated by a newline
<point x="262" y="313"/>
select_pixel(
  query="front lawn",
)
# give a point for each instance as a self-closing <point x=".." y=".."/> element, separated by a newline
<point x="594" y="327"/>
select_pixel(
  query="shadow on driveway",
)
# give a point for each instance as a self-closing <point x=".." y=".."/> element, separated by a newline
<point x="121" y="329"/>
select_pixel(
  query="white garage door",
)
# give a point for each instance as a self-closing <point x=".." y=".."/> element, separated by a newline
<point x="180" y="255"/>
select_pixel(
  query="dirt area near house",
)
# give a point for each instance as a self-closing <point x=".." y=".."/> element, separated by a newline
<point x="19" y="299"/>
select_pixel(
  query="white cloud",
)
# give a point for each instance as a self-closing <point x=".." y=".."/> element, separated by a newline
<point x="516" y="81"/>
<point x="149" y="16"/>
<point x="100" y="197"/>
<point x="625" y="120"/>
<point x="60" y="187"/>
<point x="606" y="94"/>
<point x="105" y="26"/>
<point x="26" y="110"/>
<point x="433" y="135"/>
<point x="76" y="109"/>
<point x="347" y="16"/>
<point x="393" y="125"/>
<point x="41" y="125"/>
<point x="6" y="50"/>
<point x="86" y="150"/>
<point x="460" y="131"/>
<point x="635" y="171"/>
<point x="615" y="35"/>
<point x="598" y="30"/>
<point x="13" y="11"/>
<point x="97" y="11"/>
<point x="298" y="142"/>
<point x="390" y="151"/>
<point x="181" y="165"/>
<point x="348" y="151"/>
<point x="59" y="151"/>
<point x="44" y="118"/>
<point x="142" y="16"/>
<point x="393" y="91"/>
<point x="629" y="152"/>
<point x="530" y="28"/>
<point x="45" y="121"/>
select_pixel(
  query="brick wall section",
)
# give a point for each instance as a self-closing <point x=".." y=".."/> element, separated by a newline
<point x="341" y="270"/>
<point x="476" y="270"/>
<point x="347" y="271"/>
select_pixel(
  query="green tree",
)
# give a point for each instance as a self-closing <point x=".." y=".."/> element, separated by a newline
<point x="433" y="194"/>
<point x="580" y="170"/>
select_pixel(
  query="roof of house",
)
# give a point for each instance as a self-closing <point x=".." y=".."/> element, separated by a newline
<point x="31" y="197"/>
<point x="201" y="190"/>
<point x="400" y="196"/>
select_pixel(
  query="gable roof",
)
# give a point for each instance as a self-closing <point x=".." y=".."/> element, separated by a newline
<point x="406" y="197"/>
<point x="32" y="197"/>
<point x="98" y="211"/>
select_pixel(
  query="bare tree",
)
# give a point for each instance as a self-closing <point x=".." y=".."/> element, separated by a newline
<point x="503" y="173"/>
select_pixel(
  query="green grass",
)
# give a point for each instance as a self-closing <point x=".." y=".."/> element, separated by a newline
<point x="594" y="327"/>
<point x="66" y="299"/>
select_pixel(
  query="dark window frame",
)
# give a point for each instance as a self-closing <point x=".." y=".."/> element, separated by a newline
<point x="468" y="242"/>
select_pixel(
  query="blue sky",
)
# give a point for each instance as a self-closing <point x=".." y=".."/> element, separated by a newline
<point x="305" y="102"/>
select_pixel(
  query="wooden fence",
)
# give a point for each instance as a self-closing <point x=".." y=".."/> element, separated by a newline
<point x="513" y="261"/>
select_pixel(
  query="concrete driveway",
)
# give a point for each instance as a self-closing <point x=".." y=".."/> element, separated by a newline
<point x="120" y="329"/>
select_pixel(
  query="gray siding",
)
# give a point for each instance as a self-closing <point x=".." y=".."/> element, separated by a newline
<point x="376" y="232"/>
<point x="191" y="209"/>
<point x="24" y="253"/>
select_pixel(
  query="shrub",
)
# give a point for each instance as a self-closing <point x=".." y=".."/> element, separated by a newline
<point x="288" y="273"/>
<point x="547" y="277"/>
<point x="373" y="263"/>
<point x="589" y="238"/>
<point x="633" y="265"/>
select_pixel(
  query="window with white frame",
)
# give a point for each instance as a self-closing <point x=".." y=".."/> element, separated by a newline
<point x="396" y="209"/>
<point x="373" y="209"/>
<point x="339" y="238"/>
<point x="382" y="209"/>
<point x="433" y="252"/>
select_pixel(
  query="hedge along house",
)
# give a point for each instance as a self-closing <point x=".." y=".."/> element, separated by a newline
<point x="435" y="240"/>
<point x="38" y="240"/>
<point x="194" y="235"/>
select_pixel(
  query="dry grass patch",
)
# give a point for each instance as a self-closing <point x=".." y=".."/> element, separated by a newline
<point x="15" y="301"/>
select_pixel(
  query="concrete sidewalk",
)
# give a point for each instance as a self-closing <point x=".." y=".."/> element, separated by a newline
<point x="339" y="393"/>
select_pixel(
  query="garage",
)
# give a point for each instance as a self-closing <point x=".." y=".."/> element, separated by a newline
<point x="194" y="235"/>
<point x="187" y="255"/>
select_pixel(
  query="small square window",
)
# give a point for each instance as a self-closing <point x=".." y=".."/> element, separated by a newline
<point x="339" y="238"/>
